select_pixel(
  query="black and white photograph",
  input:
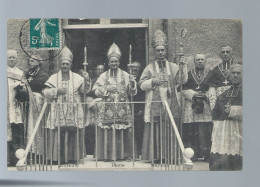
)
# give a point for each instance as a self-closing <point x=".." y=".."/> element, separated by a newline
<point x="124" y="94"/>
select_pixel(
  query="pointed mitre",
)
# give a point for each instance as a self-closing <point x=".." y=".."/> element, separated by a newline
<point x="159" y="39"/>
<point x="114" y="51"/>
<point x="66" y="54"/>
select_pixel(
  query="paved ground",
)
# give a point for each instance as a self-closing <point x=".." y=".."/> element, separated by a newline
<point x="91" y="165"/>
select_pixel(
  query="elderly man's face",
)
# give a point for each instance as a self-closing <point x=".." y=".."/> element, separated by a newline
<point x="235" y="75"/>
<point x="113" y="63"/>
<point x="11" y="59"/>
<point x="136" y="69"/>
<point x="226" y="53"/>
<point x="99" y="70"/>
<point x="65" y="66"/>
<point x="160" y="52"/>
<point x="200" y="61"/>
<point x="33" y="63"/>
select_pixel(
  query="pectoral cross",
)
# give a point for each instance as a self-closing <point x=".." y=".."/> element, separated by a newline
<point x="30" y="79"/>
<point x="198" y="87"/>
<point x="226" y="82"/>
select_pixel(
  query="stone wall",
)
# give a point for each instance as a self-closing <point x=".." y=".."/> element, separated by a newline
<point x="17" y="35"/>
<point x="203" y="36"/>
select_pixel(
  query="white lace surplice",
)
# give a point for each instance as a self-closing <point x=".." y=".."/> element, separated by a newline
<point x="227" y="137"/>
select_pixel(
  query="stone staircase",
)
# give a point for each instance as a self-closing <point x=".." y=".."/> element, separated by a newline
<point x="91" y="165"/>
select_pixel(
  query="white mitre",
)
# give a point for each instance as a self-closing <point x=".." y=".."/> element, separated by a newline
<point x="113" y="51"/>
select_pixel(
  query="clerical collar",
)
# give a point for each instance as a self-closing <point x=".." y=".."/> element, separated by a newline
<point x="66" y="76"/>
<point x="226" y="65"/>
<point x="113" y="73"/>
<point x="233" y="91"/>
<point x="200" y="72"/>
<point x="161" y="63"/>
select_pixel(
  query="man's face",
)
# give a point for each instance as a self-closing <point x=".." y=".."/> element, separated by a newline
<point x="100" y="69"/>
<point x="113" y="63"/>
<point x="200" y="61"/>
<point x="65" y="66"/>
<point x="33" y="63"/>
<point x="235" y="75"/>
<point x="160" y="52"/>
<point x="226" y="54"/>
<point x="136" y="69"/>
<point x="11" y="60"/>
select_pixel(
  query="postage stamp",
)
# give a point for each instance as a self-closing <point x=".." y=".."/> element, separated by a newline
<point x="45" y="33"/>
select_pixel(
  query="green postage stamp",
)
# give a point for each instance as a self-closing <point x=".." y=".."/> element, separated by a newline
<point x="45" y="34"/>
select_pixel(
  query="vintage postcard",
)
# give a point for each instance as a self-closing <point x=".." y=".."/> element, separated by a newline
<point x="124" y="94"/>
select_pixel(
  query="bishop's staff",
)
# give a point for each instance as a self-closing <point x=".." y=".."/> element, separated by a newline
<point x="132" y="105"/>
<point x="85" y="63"/>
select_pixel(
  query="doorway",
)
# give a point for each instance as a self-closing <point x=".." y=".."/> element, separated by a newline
<point x="98" y="42"/>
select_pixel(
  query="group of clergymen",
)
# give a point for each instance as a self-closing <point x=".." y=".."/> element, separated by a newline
<point x="211" y="113"/>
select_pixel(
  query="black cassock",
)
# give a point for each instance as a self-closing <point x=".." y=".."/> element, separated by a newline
<point x="139" y="117"/>
<point x="226" y="150"/>
<point x="197" y="128"/>
<point x="37" y="81"/>
<point x="218" y="80"/>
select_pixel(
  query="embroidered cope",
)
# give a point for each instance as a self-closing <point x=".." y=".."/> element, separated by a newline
<point x="114" y="114"/>
<point x="167" y="91"/>
<point x="66" y="110"/>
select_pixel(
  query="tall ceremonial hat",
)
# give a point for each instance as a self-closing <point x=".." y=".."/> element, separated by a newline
<point x="113" y="51"/>
<point x="66" y="54"/>
<point x="159" y="39"/>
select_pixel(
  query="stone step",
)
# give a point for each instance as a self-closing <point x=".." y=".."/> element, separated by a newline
<point x="91" y="165"/>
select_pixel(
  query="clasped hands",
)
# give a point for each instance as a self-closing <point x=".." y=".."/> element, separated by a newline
<point x="111" y="88"/>
<point x="61" y="91"/>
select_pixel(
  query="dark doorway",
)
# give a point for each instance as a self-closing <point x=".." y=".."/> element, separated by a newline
<point x="98" y="42"/>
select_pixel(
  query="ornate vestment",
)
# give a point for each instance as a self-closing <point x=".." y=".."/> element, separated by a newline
<point x="168" y="91"/>
<point x="114" y="133"/>
<point x="169" y="73"/>
<point x="66" y="110"/>
<point x="114" y="114"/>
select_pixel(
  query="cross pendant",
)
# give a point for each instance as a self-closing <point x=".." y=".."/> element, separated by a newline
<point x="226" y="82"/>
<point x="30" y="79"/>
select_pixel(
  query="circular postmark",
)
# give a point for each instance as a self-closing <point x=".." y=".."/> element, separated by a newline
<point x="27" y="41"/>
